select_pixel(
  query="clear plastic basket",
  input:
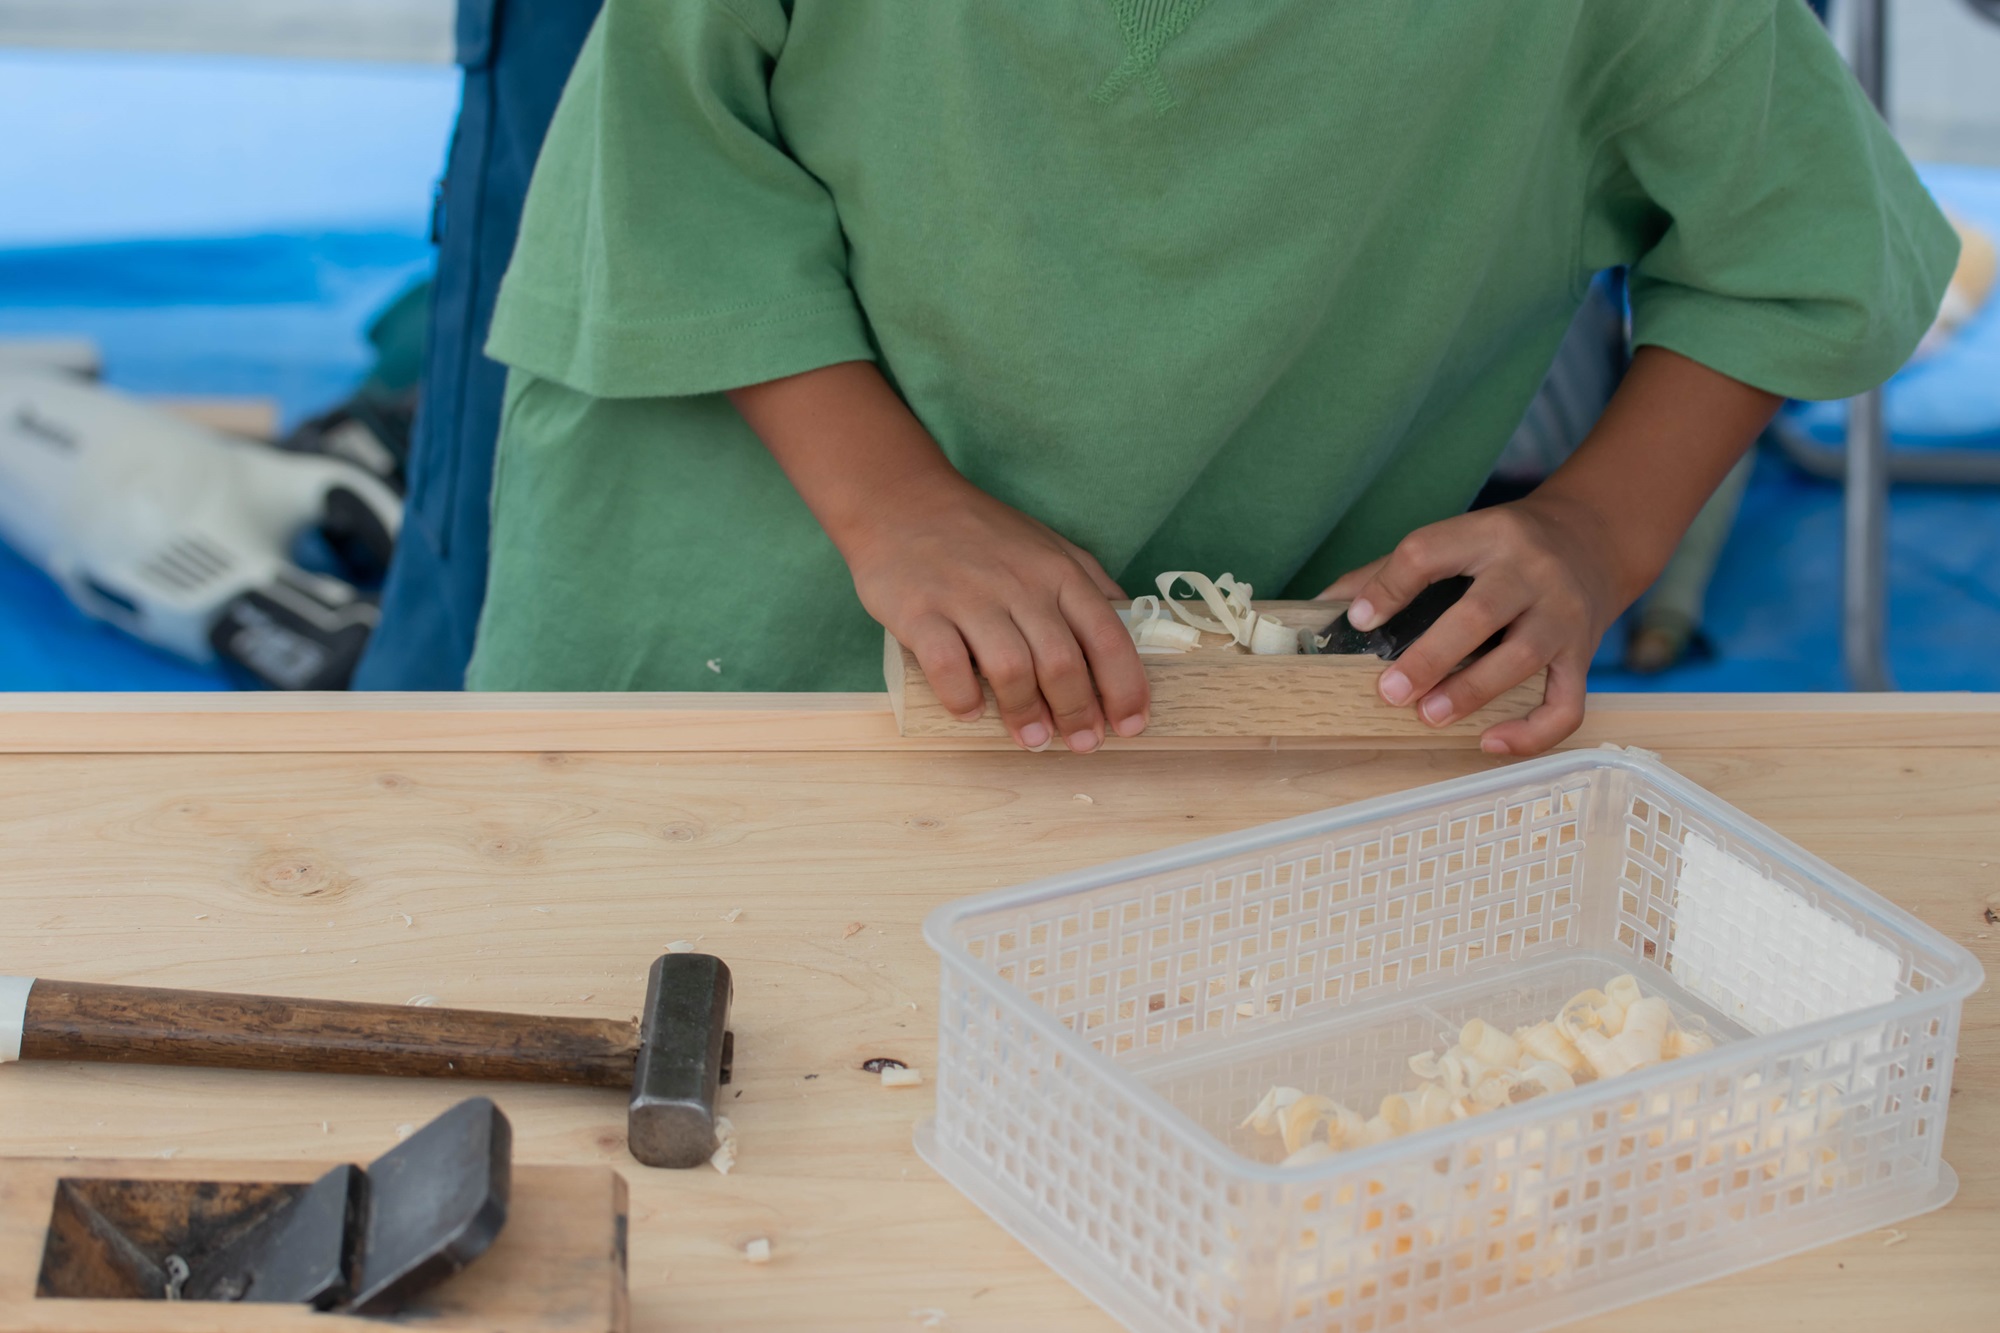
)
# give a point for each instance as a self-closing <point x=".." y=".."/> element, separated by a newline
<point x="1103" y="1034"/>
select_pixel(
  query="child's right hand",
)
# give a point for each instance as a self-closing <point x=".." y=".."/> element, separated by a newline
<point x="963" y="580"/>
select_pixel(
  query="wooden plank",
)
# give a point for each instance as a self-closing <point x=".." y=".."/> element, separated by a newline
<point x="1217" y="689"/>
<point x="556" y="1267"/>
<point x="267" y="723"/>
<point x="252" y="418"/>
<point x="545" y="883"/>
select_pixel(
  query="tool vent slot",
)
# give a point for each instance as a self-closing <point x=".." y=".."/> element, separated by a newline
<point x="188" y="563"/>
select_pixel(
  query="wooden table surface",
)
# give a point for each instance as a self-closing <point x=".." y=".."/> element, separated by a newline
<point x="466" y="850"/>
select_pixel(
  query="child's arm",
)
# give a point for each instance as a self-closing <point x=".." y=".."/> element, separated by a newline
<point x="952" y="572"/>
<point x="1557" y="568"/>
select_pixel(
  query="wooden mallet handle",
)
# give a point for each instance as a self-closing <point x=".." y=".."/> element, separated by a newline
<point x="65" y="1020"/>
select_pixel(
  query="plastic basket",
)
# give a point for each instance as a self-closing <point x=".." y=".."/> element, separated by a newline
<point x="1102" y="1035"/>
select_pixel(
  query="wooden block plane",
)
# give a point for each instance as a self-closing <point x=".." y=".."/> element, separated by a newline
<point x="557" y="1267"/>
<point x="1218" y="689"/>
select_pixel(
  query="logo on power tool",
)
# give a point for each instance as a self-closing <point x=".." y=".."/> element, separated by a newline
<point x="34" y="423"/>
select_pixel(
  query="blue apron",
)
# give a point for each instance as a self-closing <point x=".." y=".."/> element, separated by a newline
<point x="517" y="56"/>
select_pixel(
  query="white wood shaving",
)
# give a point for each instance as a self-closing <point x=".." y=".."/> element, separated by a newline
<point x="422" y="1001"/>
<point x="544" y="910"/>
<point x="681" y="946"/>
<point x="931" y="1317"/>
<point x="408" y="920"/>
<point x="1247" y="1009"/>
<point x="715" y="665"/>
<point x="1085" y="799"/>
<point x="758" y="1251"/>
<point x="1895" y="1237"/>
<point x="168" y="1153"/>
<point x="724" y="1158"/>
<point x="325" y="1127"/>
<point x="404" y="1132"/>
<point x="893" y="1077"/>
<point x="733" y="914"/>
<point x="201" y="916"/>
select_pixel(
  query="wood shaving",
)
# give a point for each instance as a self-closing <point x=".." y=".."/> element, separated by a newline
<point x="929" y="1317"/>
<point x="325" y="1127"/>
<point x="733" y="914"/>
<point x="681" y="946"/>
<point x="758" y="1251"/>
<point x="422" y="1001"/>
<point x="715" y="664"/>
<point x="1596" y="1034"/>
<point x="901" y="1078"/>
<point x="1895" y="1237"/>
<point x="409" y="921"/>
<point x="1085" y="799"/>
<point x="404" y="1131"/>
<point x="544" y="910"/>
<point x="853" y="928"/>
<point x="724" y="1158"/>
<point x="201" y="916"/>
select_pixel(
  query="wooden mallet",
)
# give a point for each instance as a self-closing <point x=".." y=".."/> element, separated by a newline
<point x="672" y="1058"/>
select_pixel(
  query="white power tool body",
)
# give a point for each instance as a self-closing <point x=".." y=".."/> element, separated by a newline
<point x="182" y="535"/>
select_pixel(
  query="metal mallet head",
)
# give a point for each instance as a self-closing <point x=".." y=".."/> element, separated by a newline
<point x="685" y="1050"/>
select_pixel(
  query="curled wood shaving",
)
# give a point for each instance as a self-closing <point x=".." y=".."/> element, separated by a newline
<point x="724" y="1157"/>
<point x="1596" y="1033"/>
<point x="733" y="914"/>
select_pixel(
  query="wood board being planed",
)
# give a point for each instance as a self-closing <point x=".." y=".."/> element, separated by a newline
<point x="1217" y="689"/>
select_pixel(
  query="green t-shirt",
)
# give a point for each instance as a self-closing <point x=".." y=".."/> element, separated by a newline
<point x="1237" y="287"/>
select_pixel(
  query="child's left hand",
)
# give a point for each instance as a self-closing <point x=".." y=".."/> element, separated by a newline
<point x="1542" y="570"/>
<point x="1556" y="569"/>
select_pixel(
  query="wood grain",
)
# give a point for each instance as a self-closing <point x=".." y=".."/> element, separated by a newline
<point x="267" y="722"/>
<point x="558" y="1267"/>
<point x="68" y="1020"/>
<point x="547" y="882"/>
<point x="1216" y="689"/>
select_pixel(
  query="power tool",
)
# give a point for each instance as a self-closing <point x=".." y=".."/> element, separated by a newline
<point x="183" y="535"/>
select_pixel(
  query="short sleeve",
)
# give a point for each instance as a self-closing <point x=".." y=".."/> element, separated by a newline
<point x="670" y="245"/>
<point x="1776" y="232"/>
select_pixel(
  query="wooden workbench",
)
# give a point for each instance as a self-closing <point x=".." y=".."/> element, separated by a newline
<point x="546" y="849"/>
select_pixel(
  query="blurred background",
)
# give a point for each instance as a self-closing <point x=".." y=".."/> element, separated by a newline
<point x="227" y="209"/>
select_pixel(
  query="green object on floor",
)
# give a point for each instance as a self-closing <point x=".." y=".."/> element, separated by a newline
<point x="1671" y="612"/>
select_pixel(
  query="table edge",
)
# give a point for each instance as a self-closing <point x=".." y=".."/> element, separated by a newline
<point x="271" y="723"/>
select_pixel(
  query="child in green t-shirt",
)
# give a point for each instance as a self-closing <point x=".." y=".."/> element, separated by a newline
<point x="953" y="314"/>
